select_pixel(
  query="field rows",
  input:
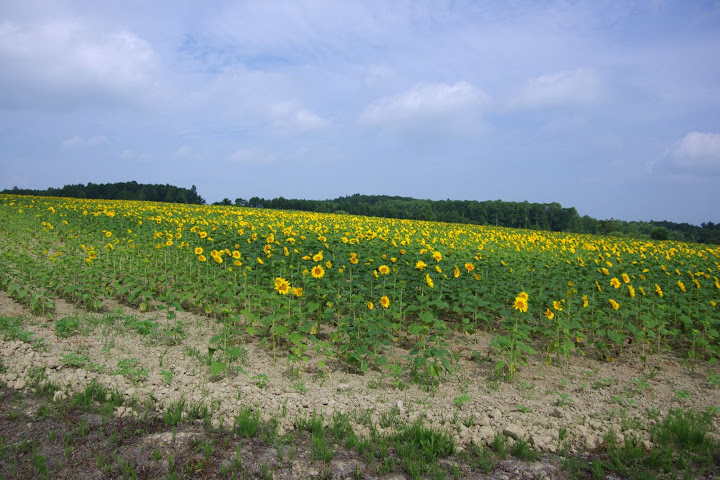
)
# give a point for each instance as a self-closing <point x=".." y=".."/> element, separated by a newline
<point x="349" y="288"/>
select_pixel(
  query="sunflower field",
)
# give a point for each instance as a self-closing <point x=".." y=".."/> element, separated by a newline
<point x="351" y="289"/>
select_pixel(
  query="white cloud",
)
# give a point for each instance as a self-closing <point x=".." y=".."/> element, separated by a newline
<point x="133" y="155"/>
<point x="251" y="156"/>
<point x="696" y="153"/>
<point x="184" y="152"/>
<point x="433" y="100"/>
<point x="189" y="153"/>
<point x="79" y="142"/>
<point x="288" y="117"/>
<point x="578" y="87"/>
<point x="45" y="62"/>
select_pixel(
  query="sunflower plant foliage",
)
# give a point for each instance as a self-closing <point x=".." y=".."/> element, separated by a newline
<point x="314" y="287"/>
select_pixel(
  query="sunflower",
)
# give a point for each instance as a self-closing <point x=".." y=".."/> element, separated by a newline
<point x="236" y="255"/>
<point x="456" y="272"/>
<point x="625" y="278"/>
<point x="469" y="267"/>
<point x="282" y="286"/>
<point x="557" y="306"/>
<point x="318" y="256"/>
<point x="437" y="256"/>
<point x="585" y="301"/>
<point x="615" y="283"/>
<point x="658" y="290"/>
<point x="520" y="304"/>
<point x="429" y="281"/>
<point x="384" y="301"/>
<point x="370" y="305"/>
<point x="317" y="271"/>
<point x="198" y="250"/>
<point x="420" y="265"/>
<point x="681" y="285"/>
<point x="549" y="314"/>
<point x="384" y="269"/>
<point x="523" y="295"/>
<point x="614" y="304"/>
<point x="202" y="258"/>
<point x="297" y="291"/>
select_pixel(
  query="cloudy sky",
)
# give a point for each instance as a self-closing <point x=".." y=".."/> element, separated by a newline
<point x="612" y="107"/>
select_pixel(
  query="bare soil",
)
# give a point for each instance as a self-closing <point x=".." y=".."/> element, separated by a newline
<point x="572" y="407"/>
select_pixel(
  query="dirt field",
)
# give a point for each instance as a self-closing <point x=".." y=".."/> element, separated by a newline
<point x="557" y="411"/>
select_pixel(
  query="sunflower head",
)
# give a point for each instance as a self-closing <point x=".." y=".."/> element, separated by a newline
<point x="317" y="271"/>
<point x="520" y="304"/>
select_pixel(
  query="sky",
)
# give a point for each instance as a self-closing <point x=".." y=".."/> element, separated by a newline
<point x="611" y="107"/>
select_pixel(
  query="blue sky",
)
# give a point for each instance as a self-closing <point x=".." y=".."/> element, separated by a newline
<point x="612" y="107"/>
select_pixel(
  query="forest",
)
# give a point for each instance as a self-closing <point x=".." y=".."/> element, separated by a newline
<point x="533" y="216"/>
<point x="119" y="191"/>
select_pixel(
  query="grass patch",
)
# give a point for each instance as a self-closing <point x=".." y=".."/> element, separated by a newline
<point x="682" y="448"/>
<point x="13" y="329"/>
<point x="419" y="448"/>
<point x="67" y="327"/>
<point x="247" y="423"/>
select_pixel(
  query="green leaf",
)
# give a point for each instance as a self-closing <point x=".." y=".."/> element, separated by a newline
<point x="296" y="338"/>
<point x="445" y="364"/>
<point x="216" y="368"/>
<point x="234" y="352"/>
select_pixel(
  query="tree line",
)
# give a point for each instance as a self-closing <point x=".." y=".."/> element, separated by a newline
<point x="119" y="191"/>
<point x="534" y="216"/>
